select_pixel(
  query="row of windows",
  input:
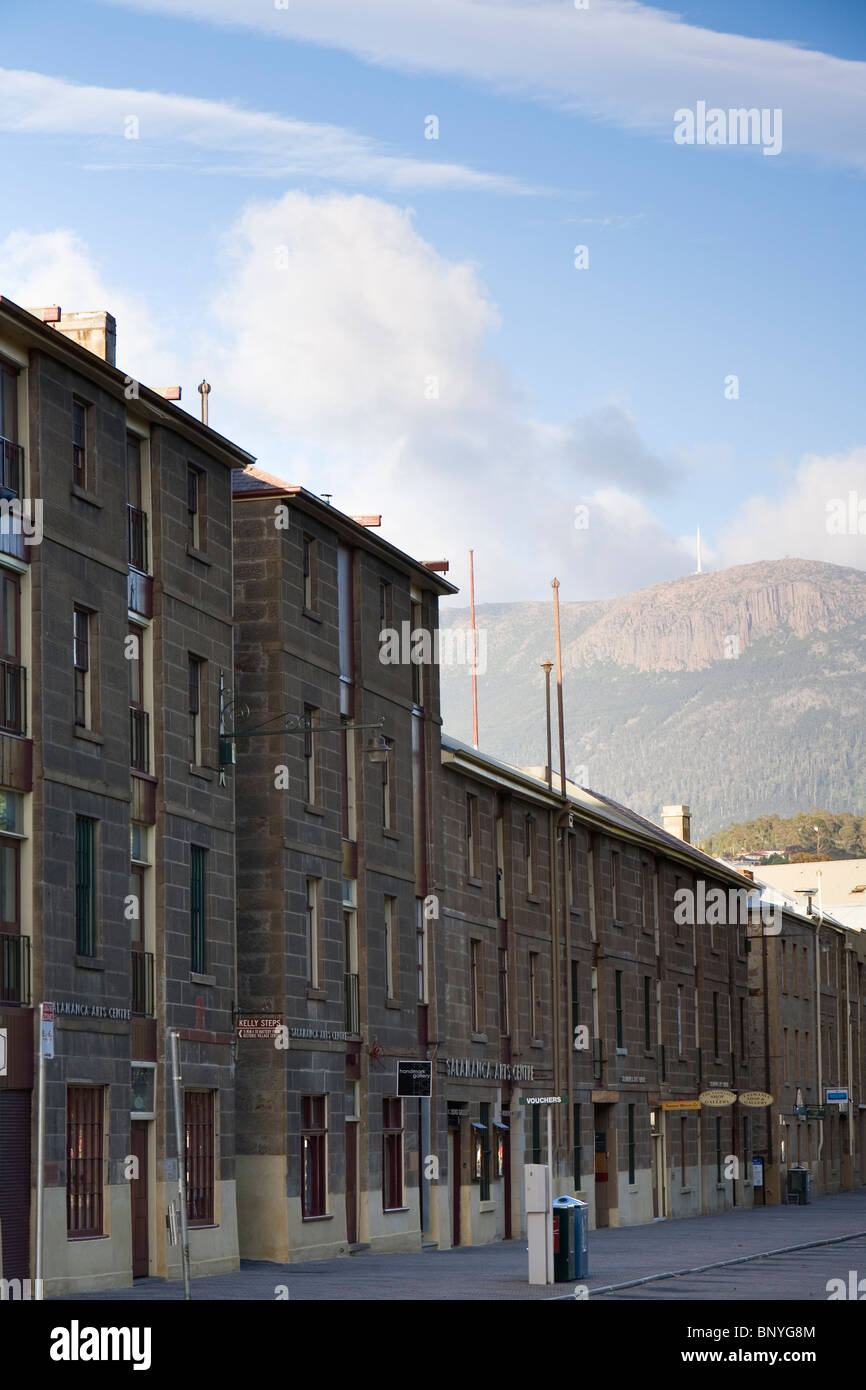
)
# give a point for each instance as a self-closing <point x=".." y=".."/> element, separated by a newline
<point x="86" y="899"/>
<point x="314" y="1155"/>
<point x="87" y="1146"/>
<point x="714" y="1137"/>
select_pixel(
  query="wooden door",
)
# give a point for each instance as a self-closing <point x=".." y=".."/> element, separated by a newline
<point x="139" y="1131"/>
<point x="351" y="1130"/>
<point x="455" y="1185"/>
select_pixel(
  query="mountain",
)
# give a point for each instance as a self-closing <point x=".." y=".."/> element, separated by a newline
<point x="740" y="692"/>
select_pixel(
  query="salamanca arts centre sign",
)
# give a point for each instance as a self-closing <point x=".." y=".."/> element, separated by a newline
<point x="487" y="1071"/>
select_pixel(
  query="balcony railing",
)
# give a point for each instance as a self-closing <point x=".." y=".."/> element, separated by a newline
<point x="14" y="969"/>
<point x="597" y="1057"/>
<point x="136" y="521"/>
<point x="353" y="1004"/>
<point x="13" y="697"/>
<point x="139" y="739"/>
<point x="142" y="983"/>
<point x="11" y="468"/>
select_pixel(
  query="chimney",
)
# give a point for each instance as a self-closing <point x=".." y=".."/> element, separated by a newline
<point x="95" y="330"/>
<point x="677" y="820"/>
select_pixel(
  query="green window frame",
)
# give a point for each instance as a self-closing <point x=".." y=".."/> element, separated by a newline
<point x="85" y="886"/>
<point x="198" y="916"/>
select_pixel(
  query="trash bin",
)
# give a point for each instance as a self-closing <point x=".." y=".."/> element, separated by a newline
<point x="570" y="1226"/>
<point x="799" y="1186"/>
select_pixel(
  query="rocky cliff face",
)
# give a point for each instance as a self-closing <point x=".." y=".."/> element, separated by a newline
<point x="682" y="625"/>
<point x="741" y="692"/>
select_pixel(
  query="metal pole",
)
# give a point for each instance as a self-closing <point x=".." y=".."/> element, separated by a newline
<point x="555" y="587"/>
<point x="40" y="1163"/>
<point x="547" y="667"/>
<point x="474" y="649"/>
<point x="181" y="1161"/>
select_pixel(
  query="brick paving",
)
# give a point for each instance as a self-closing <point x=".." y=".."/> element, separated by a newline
<point x="498" y="1271"/>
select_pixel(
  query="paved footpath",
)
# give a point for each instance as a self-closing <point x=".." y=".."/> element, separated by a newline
<point x="617" y="1257"/>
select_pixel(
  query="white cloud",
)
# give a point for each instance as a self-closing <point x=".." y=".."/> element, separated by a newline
<point x="337" y="325"/>
<point x="617" y="60"/>
<point x="794" y="521"/>
<point x="55" y="267"/>
<point x="182" y="129"/>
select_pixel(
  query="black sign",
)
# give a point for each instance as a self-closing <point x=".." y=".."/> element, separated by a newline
<point x="414" y="1078"/>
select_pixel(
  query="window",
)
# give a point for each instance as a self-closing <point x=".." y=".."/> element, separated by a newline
<point x="85" y="1178"/>
<point x="679" y="1020"/>
<point x="198" y="1120"/>
<point x="678" y="911"/>
<point x="309" y="575"/>
<point x="616" y="895"/>
<point x="529" y="843"/>
<point x="683" y="1150"/>
<point x="79" y="442"/>
<point x="12" y="701"/>
<point x="195" y="508"/>
<point x="198" y="910"/>
<point x="386" y="605"/>
<point x="784" y="966"/>
<point x="314" y="886"/>
<point x="534" y="997"/>
<point x="475" y="987"/>
<point x="535" y="1140"/>
<point x="195" y="673"/>
<point x="482" y="1152"/>
<point x="647" y="1012"/>
<point x="575" y="1001"/>
<point x="501" y="910"/>
<point x="421" y="949"/>
<point x="314" y="1156"/>
<point x="81" y="666"/>
<point x="715" y="1024"/>
<point x="471" y="835"/>
<point x="719" y="1174"/>
<point x="617" y="982"/>
<point x="10" y="887"/>
<point x="742" y="1031"/>
<point x="631" y="1145"/>
<point x="747" y="1143"/>
<point x="390" y="947"/>
<point x="311" y="755"/>
<point x="388" y="789"/>
<point x="85" y="886"/>
<point x="135" y="509"/>
<point x="647" y="896"/>
<point x="392" y="1154"/>
<point x="8" y="404"/>
<point x="786" y="1069"/>
<point x="504" y="1022"/>
<point x="577" y="1154"/>
<point x="139" y="732"/>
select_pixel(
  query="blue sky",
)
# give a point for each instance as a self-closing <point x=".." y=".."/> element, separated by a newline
<point x="556" y="386"/>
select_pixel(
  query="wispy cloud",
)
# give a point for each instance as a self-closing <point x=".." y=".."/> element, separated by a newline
<point x="616" y="60"/>
<point x="171" y="131"/>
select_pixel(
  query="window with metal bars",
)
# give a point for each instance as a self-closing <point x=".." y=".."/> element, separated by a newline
<point x="85" y="886"/>
<point x="81" y="665"/>
<point x="85" y="1106"/>
<point x="198" y="913"/>
<point x="198" y="1118"/>
<point x="392" y="1154"/>
<point x="314" y="1156"/>
<point x="617" y="980"/>
<point x="631" y="1145"/>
